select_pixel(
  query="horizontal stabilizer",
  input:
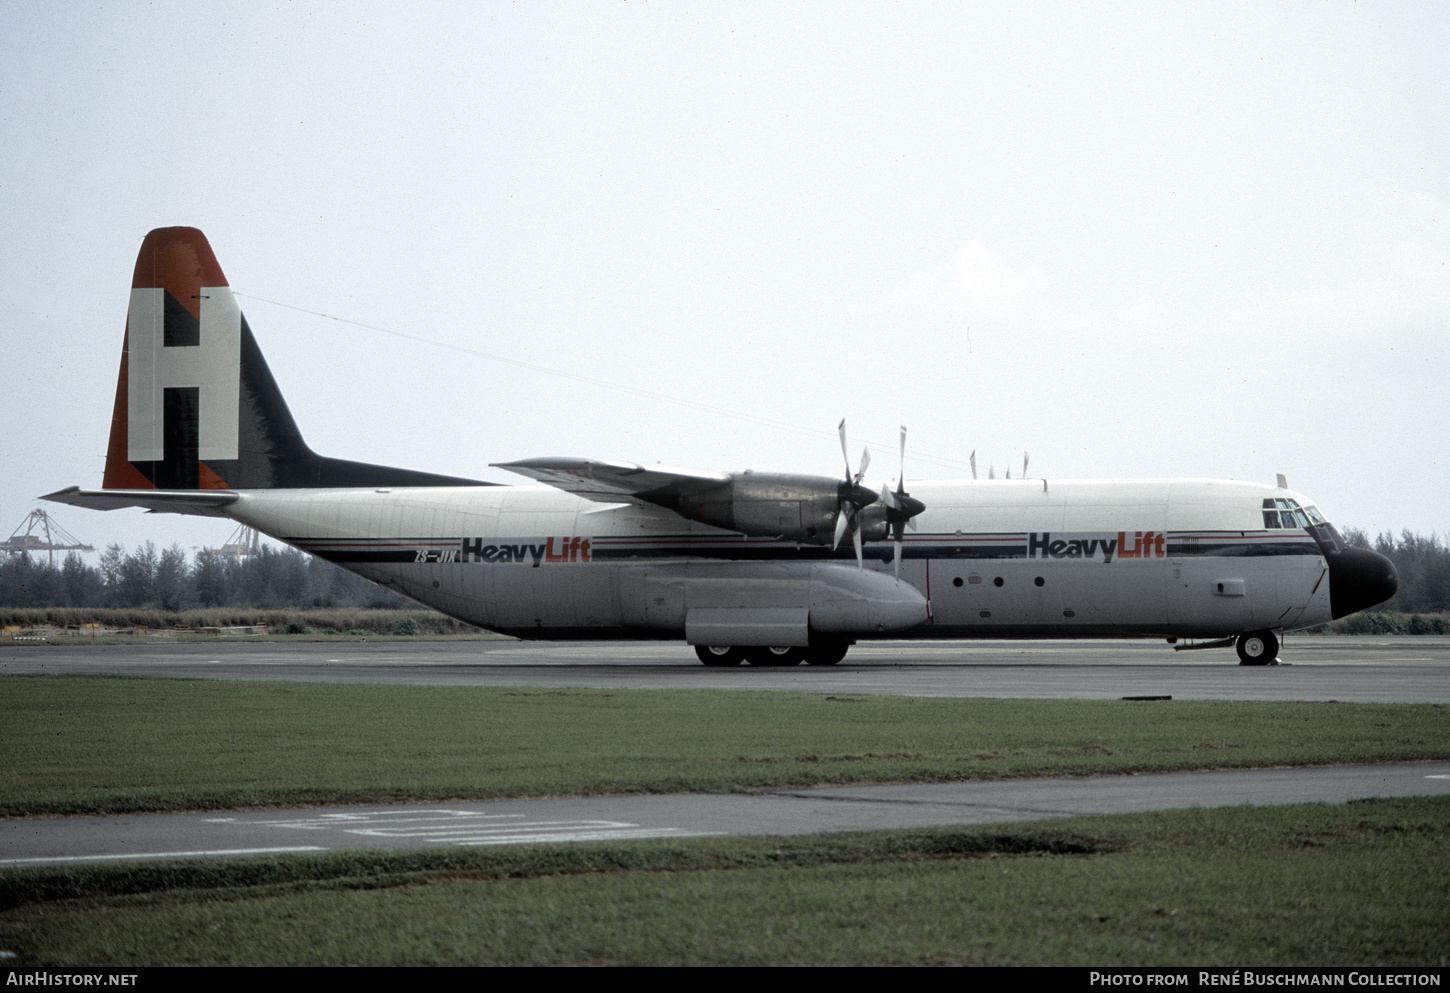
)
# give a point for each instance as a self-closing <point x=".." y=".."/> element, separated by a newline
<point x="608" y="482"/>
<point x="202" y="503"/>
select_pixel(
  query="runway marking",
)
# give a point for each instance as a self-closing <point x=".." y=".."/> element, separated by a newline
<point x="464" y="827"/>
<point x="324" y="822"/>
<point x="164" y="855"/>
<point x="627" y="832"/>
<point x="1437" y="777"/>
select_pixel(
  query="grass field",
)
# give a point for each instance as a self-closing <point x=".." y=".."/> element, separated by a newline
<point x="1365" y="883"/>
<point x="78" y="744"/>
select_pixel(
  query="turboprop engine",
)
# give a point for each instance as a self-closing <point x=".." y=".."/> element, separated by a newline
<point x="778" y="505"/>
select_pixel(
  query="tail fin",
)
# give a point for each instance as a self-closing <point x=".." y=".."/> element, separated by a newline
<point x="196" y="405"/>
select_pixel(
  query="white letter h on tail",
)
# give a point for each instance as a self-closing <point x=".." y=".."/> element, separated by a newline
<point x="213" y="366"/>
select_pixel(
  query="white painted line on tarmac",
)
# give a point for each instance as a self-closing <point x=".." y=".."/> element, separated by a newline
<point x="532" y="827"/>
<point x="464" y="827"/>
<point x="163" y="855"/>
<point x="626" y="833"/>
<point x="387" y="817"/>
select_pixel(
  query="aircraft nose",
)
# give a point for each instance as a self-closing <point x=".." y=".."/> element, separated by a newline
<point x="1359" y="578"/>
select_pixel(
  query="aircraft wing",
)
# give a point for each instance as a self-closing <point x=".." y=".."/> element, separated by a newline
<point x="203" y="503"/>
<point x="615" y="482"/>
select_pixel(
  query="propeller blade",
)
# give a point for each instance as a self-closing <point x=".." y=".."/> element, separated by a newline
<point x="856" y="540"/>
<point x="911" y="523"/>
<point x="973" y="460"/>
<point x="842" y="522"/>
<point x="1024" y="465"/>
<point x="889" y="498"/>
<point x="896" y="568"/>
<point x="844" y="456"/>
<point x="865" y="461"/>
<point x="901" y="478"/>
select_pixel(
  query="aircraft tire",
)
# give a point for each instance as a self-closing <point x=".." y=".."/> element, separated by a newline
<point x="719" y="655"/>
<point x="1257" y="648"/>
<point x="827" y="652"/>
<point x="775" y="656"/>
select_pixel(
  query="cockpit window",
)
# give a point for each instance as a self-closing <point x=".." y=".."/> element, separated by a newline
<point x="1281" y="513"/>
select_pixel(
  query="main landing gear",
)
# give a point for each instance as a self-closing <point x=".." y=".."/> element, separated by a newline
<point x="822" y="652"/>
<point x="1257" y="648"/>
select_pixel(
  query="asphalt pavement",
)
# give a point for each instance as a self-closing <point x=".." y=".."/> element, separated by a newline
<point x="33" y="841"/>
<point x="1352" y="669"/>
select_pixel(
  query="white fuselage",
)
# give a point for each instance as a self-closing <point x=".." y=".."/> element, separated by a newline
<point x="1069" y="558"/>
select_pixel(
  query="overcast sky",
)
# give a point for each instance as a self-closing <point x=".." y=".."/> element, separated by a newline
<point x="1157" y="239"/>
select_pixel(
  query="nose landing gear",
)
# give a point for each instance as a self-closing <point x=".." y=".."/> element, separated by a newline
<point x="1257" y="648"/>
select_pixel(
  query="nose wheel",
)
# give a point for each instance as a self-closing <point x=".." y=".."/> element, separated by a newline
<point x="1257" y="648"/>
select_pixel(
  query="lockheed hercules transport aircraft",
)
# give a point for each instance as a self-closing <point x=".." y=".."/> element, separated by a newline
<point x="746" y="566"/>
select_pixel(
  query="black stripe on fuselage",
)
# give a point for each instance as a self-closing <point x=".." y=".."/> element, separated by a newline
<point x="1239" y="545"/>
<point x="736" y="549"/>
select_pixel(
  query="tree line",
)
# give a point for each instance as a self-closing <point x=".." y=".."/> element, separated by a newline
<point x="165" y="578"/>
<point x="168" y="580"/>
<point x="1423" y="562"/>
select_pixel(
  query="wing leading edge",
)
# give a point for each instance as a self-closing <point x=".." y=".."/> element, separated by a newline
<point x="611" y="482"/>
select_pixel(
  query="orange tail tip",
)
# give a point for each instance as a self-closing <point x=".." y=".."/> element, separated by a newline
<point x="180" y="263"/>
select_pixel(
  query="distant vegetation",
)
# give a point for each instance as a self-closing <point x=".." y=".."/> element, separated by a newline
<point x="321" y="622"/>
<point x="165" y="580"/>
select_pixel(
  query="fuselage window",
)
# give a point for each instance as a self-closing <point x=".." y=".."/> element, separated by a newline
<point x="1315" y="517"/>
<point x="1271" y="519"/>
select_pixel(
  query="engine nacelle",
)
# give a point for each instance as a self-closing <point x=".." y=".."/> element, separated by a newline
<point x="773" y="505"/>
<point x="872" y="521"/>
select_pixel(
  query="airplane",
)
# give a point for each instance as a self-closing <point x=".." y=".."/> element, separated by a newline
<point x="746" y="567"/>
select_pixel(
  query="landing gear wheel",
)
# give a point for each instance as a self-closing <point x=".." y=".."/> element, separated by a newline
<point x="1257" y="648"/>
<point x="827" y="652"/>
<point x="775" y="656"/>
<point x="719" y="655"/>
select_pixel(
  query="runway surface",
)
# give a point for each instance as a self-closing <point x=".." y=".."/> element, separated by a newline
<point x="1358" y="669"/>
<point x="71" y="840"/>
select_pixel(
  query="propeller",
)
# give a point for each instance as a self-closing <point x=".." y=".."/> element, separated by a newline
<point x="901" y="507"/>
<point x="852" y="497"/>
<point x="974" y="463"/>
